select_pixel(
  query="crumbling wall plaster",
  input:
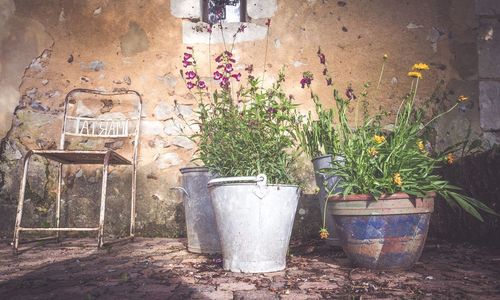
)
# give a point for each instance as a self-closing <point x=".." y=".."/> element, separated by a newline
<point x="128" y="44"/>
<point x="16" y="33"/>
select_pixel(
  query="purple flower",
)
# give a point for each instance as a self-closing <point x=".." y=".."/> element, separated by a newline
<point x="187" y="56"/>
<point x="236" y="76"/>
<point x="201" y="84"/>
<point x="349" y="92"/>
<point x="190" y="85"/>
<point x="271" y="110"/>
<point x="249" y="69"/>
<point x="329" y="81"/>
<point x="190" y="74"/>
<point x="307" y="78"/>
<point x="322" y="59"/>
<point x="228" y="54"/>
<point x="218" y="58"/>
<point x="305" y="81"/>
<point x="242" y="28"/>
<point x="229" y="68"/>
<point x="186" y="63"/>
<point x="224" y="83"/>
<point x="217" y="75"/>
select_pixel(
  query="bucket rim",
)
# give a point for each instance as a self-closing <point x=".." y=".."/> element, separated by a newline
<point x="217" y="184"/>
<point x="385" y="197"/>
<point x="193" y="169"/>
<point x="321" y="156"/>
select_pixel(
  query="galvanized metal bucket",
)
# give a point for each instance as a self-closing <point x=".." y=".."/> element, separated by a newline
<point x="200" y="218"/>
<point x="323" y="182"/>
<point x="384" y="234"/>
<point x="255" y="222"/>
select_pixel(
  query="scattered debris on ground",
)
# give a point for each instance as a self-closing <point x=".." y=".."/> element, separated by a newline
<point x="162" y="269"/>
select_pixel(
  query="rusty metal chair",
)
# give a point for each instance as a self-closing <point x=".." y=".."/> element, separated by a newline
<point x="87" y="127"/>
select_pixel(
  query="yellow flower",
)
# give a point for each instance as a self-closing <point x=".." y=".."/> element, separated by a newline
<point x="415" y="74"/>
<point x="323" y="233"/>
<point x="420" y="67"/>
<point x="421" y="146"/>
<point x="379" y="139"/>
<point x="373" y="151"/>
<point x="462" y="98"/>
<point x="385" y="56"/>
<point x="450" y="158"/>
<point x="396" y="178"/>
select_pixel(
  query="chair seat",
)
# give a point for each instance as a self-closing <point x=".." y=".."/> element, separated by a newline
<point x="83" y="156"/>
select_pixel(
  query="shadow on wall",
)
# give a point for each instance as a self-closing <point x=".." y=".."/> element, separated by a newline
<point x="479" y="176"/>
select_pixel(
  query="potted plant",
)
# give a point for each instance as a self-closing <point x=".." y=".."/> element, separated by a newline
<point x="388" y="184"/>
<point x="247" y="138"/>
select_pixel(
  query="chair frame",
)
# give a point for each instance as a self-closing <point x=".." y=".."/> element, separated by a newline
<point x="62" y="156"/>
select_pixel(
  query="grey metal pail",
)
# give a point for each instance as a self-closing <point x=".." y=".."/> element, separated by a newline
<point x="323" y="181"/>
<point x="255" y="222"/>
<point x="200" y="219"/>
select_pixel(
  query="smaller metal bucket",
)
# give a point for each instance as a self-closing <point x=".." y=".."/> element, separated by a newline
<point x="384" y="234"/>
<point x="323" y="181"/>
<point x="254" y="221"/>
<point x="200" y="219"/>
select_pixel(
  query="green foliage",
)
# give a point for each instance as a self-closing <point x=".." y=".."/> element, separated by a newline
<point x="249" y="135"/>
<point x="384" y="160"/>
<point x="317" y="136"/>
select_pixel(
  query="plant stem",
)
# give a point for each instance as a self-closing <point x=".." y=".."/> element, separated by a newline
<point x="441" y="114"/>
<point x="265" y="55"/>
<point x="381" y="73"/>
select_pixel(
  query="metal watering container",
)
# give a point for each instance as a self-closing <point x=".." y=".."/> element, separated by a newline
<point x="255" y="222"/>
<point x="323" y="181"/>
<point x="200" y="219"/>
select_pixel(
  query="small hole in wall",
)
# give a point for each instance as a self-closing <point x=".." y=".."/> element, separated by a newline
<point x="225" y="11"/>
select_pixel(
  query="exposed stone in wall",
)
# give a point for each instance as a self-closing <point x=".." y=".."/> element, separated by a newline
<point x="488" y="41"/>
<point x="488" y="48"/>
<point x="259" y="9"/>
<point x="191" y="35"/>
<point x="489" y="104"/>
<point x="190" y="9"/>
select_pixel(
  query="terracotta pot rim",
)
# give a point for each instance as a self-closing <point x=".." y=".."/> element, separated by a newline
<point x="368" y="197"/>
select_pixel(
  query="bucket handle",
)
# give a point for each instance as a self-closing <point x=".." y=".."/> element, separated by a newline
<point x="260" y="180"/>
<point x="180" y="189"/>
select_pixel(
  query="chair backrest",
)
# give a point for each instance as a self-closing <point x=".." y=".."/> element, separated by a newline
<point x="107" y="125"/>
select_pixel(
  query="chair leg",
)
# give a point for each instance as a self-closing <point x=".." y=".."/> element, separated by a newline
<point x="58" y="203"/>
<point x="20" y="201"/>
<point x="133" y="198"/>
<point x="100" y="239"/>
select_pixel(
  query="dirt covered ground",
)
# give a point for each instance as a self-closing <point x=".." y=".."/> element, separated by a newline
<point x="163" y="269"/>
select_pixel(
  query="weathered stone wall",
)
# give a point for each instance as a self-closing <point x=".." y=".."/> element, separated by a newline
<point x="51" y="47"/>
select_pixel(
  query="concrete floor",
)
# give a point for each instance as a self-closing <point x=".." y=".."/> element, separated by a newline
<point x="162" y="269"/>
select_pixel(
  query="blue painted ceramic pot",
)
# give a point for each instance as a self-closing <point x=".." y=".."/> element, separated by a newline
<point x="384" y="234"/>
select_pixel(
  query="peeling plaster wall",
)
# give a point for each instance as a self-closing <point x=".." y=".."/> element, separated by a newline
<point x="139" y="45"/>
<point x="16" y="33"/>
